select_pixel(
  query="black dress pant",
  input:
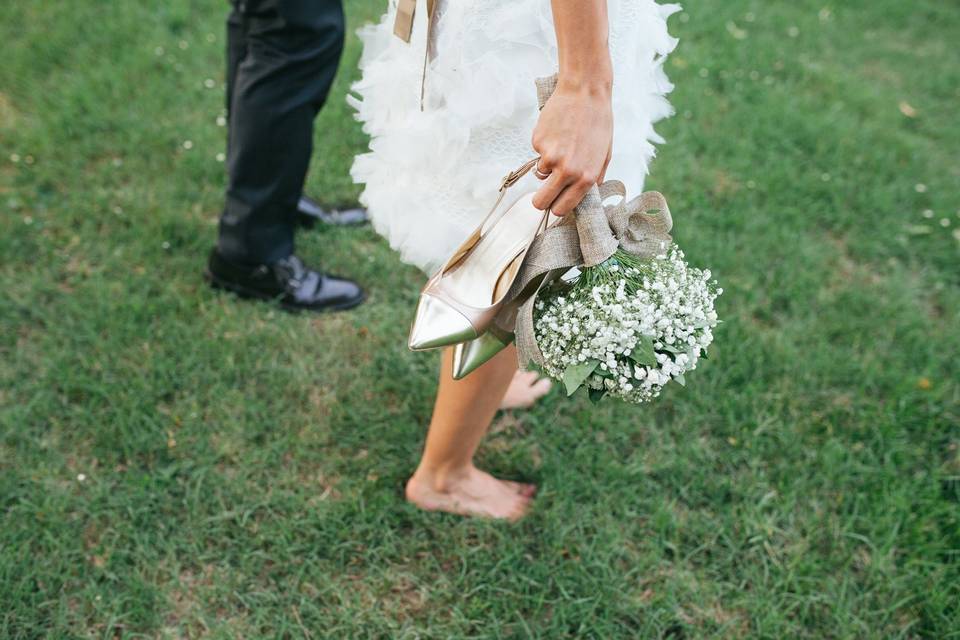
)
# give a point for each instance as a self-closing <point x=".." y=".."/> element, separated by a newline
<point x="282" y="56"/>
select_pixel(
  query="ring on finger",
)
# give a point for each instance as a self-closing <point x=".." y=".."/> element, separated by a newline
<point x="540" y="174"/>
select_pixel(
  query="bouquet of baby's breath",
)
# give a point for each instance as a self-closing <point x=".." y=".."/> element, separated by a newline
<point x="627" y="326"/>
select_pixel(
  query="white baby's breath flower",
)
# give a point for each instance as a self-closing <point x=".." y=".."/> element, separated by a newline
<point x="664" y="301"/>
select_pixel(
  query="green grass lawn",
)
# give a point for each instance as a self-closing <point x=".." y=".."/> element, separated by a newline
<point x="175" y="463"/>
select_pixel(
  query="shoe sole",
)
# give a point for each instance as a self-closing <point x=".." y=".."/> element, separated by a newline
<point x="252" y="294"/>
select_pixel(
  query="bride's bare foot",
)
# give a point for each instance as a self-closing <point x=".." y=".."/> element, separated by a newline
<point x="525" y="389"/>
<point x="470" y="492"/>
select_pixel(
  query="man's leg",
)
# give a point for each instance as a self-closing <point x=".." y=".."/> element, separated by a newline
<point x="282" y="77"/>
<point x="236" y="51"/>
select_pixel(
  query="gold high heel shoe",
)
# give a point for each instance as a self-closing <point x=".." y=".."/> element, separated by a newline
<point x="461" y="300"/>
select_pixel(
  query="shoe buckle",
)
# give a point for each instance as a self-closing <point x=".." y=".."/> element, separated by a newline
<point x="511" y="178"/>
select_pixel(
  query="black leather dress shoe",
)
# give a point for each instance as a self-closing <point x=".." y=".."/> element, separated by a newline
<point x="289" y="282"/>
<point x="309" y="212"/>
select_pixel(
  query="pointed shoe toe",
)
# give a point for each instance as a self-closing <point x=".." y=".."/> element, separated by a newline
<point x="469" y="356"/>
<point x="438" y="324"/>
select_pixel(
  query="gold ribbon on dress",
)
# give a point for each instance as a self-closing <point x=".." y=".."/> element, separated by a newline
<point x="403" y="22"/>
<point x="640" y="226"/>
<point x="403" y="29"/>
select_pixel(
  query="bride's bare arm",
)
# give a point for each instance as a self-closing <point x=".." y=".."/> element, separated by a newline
<point x="574" y="134"/>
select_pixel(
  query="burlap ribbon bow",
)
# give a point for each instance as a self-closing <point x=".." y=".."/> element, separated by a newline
<point x="585" y="238"/>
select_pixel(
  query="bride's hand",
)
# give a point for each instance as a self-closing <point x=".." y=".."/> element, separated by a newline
<point x="573" y="136"/>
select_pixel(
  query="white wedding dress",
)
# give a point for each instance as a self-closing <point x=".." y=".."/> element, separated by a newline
<point x="430" y="176"/>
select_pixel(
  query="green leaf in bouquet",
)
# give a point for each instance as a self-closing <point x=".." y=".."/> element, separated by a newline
<point x="596" y="395"/>
<point x="604" y="373"/>
<point x="643" y="352"/>
<point x="576" y="374"/>
<point x="671" y="351"/>
<point x="679" y="378"/>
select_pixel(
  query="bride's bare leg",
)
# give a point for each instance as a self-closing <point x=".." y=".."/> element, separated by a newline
<point x="446" y="479"/>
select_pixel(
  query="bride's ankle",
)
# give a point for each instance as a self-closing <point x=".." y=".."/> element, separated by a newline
<point x="440" y="479"/>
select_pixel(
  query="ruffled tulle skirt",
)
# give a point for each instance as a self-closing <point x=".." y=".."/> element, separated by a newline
<point x="430" y="176"/>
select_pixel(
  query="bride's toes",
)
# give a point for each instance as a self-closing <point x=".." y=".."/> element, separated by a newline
<point x="525" y="389"/>
<point x="520" y="509"/>
<point x="523" y="488"/>
<point x="513" y="509"/>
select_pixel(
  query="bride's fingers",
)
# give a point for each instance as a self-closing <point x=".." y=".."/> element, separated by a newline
<point x="549" y="190"/>
<point x="571" y="196"/>
<point x="541" y="170"/>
